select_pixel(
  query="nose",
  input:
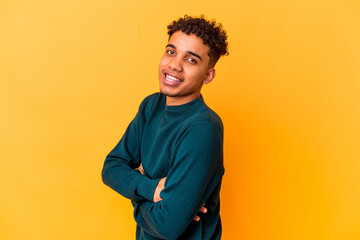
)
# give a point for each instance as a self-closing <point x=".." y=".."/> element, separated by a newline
<point x="176" y="64"/>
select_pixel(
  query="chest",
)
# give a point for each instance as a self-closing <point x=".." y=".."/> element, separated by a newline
<point x="160" y="137"/>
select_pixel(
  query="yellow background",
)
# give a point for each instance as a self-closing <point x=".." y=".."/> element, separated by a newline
<point x="73" y="73"/>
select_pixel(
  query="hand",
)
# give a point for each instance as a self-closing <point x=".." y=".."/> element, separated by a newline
<point x="141" y="169"/>
<point x="158" y="189"/>
<point x="203" y="210"/>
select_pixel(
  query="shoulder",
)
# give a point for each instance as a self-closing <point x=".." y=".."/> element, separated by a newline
<point x="202" y="136"/>
<point x="205" y="119"/>
<point x="150" y="102"/>
<point x="201" y="132"/>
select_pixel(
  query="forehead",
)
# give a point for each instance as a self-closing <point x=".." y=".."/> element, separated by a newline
<point x="191" y="42"/>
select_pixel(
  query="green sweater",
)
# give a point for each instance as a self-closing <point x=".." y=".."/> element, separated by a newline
<point x="183" y="143"/>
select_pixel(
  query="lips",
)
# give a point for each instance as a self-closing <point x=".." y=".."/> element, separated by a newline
<point x="172" y="80"/>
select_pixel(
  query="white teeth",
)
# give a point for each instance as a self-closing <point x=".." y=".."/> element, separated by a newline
<point x="171" y="78"/>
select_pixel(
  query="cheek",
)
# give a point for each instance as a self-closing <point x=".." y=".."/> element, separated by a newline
<point x="196" y="76"/>
<point x="163" y="62"/>
<point x="161" y="67"/>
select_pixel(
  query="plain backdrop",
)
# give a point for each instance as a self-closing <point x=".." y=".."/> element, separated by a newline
<point x="73" y="73"/>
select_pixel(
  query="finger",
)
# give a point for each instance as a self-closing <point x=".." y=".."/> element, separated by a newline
<point x="197" y="218"/>
<point x="141" y="170"/>
<point x="203" y="209"/>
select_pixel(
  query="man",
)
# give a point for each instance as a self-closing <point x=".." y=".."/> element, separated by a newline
<point x="170" y="160"/>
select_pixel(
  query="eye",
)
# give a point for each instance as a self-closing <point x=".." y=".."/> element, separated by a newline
<point x="171" y="52"/>
<point x="192" y="60"/>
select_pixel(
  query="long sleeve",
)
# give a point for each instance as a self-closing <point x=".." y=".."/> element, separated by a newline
<point x="119" y="168"/>
<point x="196" y="171"/>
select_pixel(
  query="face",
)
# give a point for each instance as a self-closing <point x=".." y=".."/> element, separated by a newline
<point x="183" y="68"/>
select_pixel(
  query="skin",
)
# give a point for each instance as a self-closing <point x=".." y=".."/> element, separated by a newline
<point x="186" y="59"/>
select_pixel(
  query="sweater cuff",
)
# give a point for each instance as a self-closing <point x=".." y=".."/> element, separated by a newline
<point x="146" y="187"/>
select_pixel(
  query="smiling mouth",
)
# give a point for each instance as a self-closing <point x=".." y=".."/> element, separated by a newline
<point x="172" y="78"/>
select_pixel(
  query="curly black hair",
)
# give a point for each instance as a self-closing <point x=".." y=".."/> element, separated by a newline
<point x="211" y="33"/>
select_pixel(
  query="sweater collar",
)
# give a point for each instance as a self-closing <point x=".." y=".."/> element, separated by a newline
<point x="185" y="106"/>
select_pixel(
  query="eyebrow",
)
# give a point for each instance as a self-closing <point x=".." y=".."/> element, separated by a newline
<point x="189" y="52"/>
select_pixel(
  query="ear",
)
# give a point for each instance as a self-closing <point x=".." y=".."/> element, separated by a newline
<point x="209" y="76"/>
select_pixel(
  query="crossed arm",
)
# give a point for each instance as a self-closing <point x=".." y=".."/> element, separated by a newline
<point x="161" y="211"/>
<point x="161" y="186"/>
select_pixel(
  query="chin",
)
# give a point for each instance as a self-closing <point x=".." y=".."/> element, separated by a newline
<point x="168" y="94"/>
<point x="166" y="91"/>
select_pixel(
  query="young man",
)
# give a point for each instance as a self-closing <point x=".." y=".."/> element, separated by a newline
<point x="170" y="160"/>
